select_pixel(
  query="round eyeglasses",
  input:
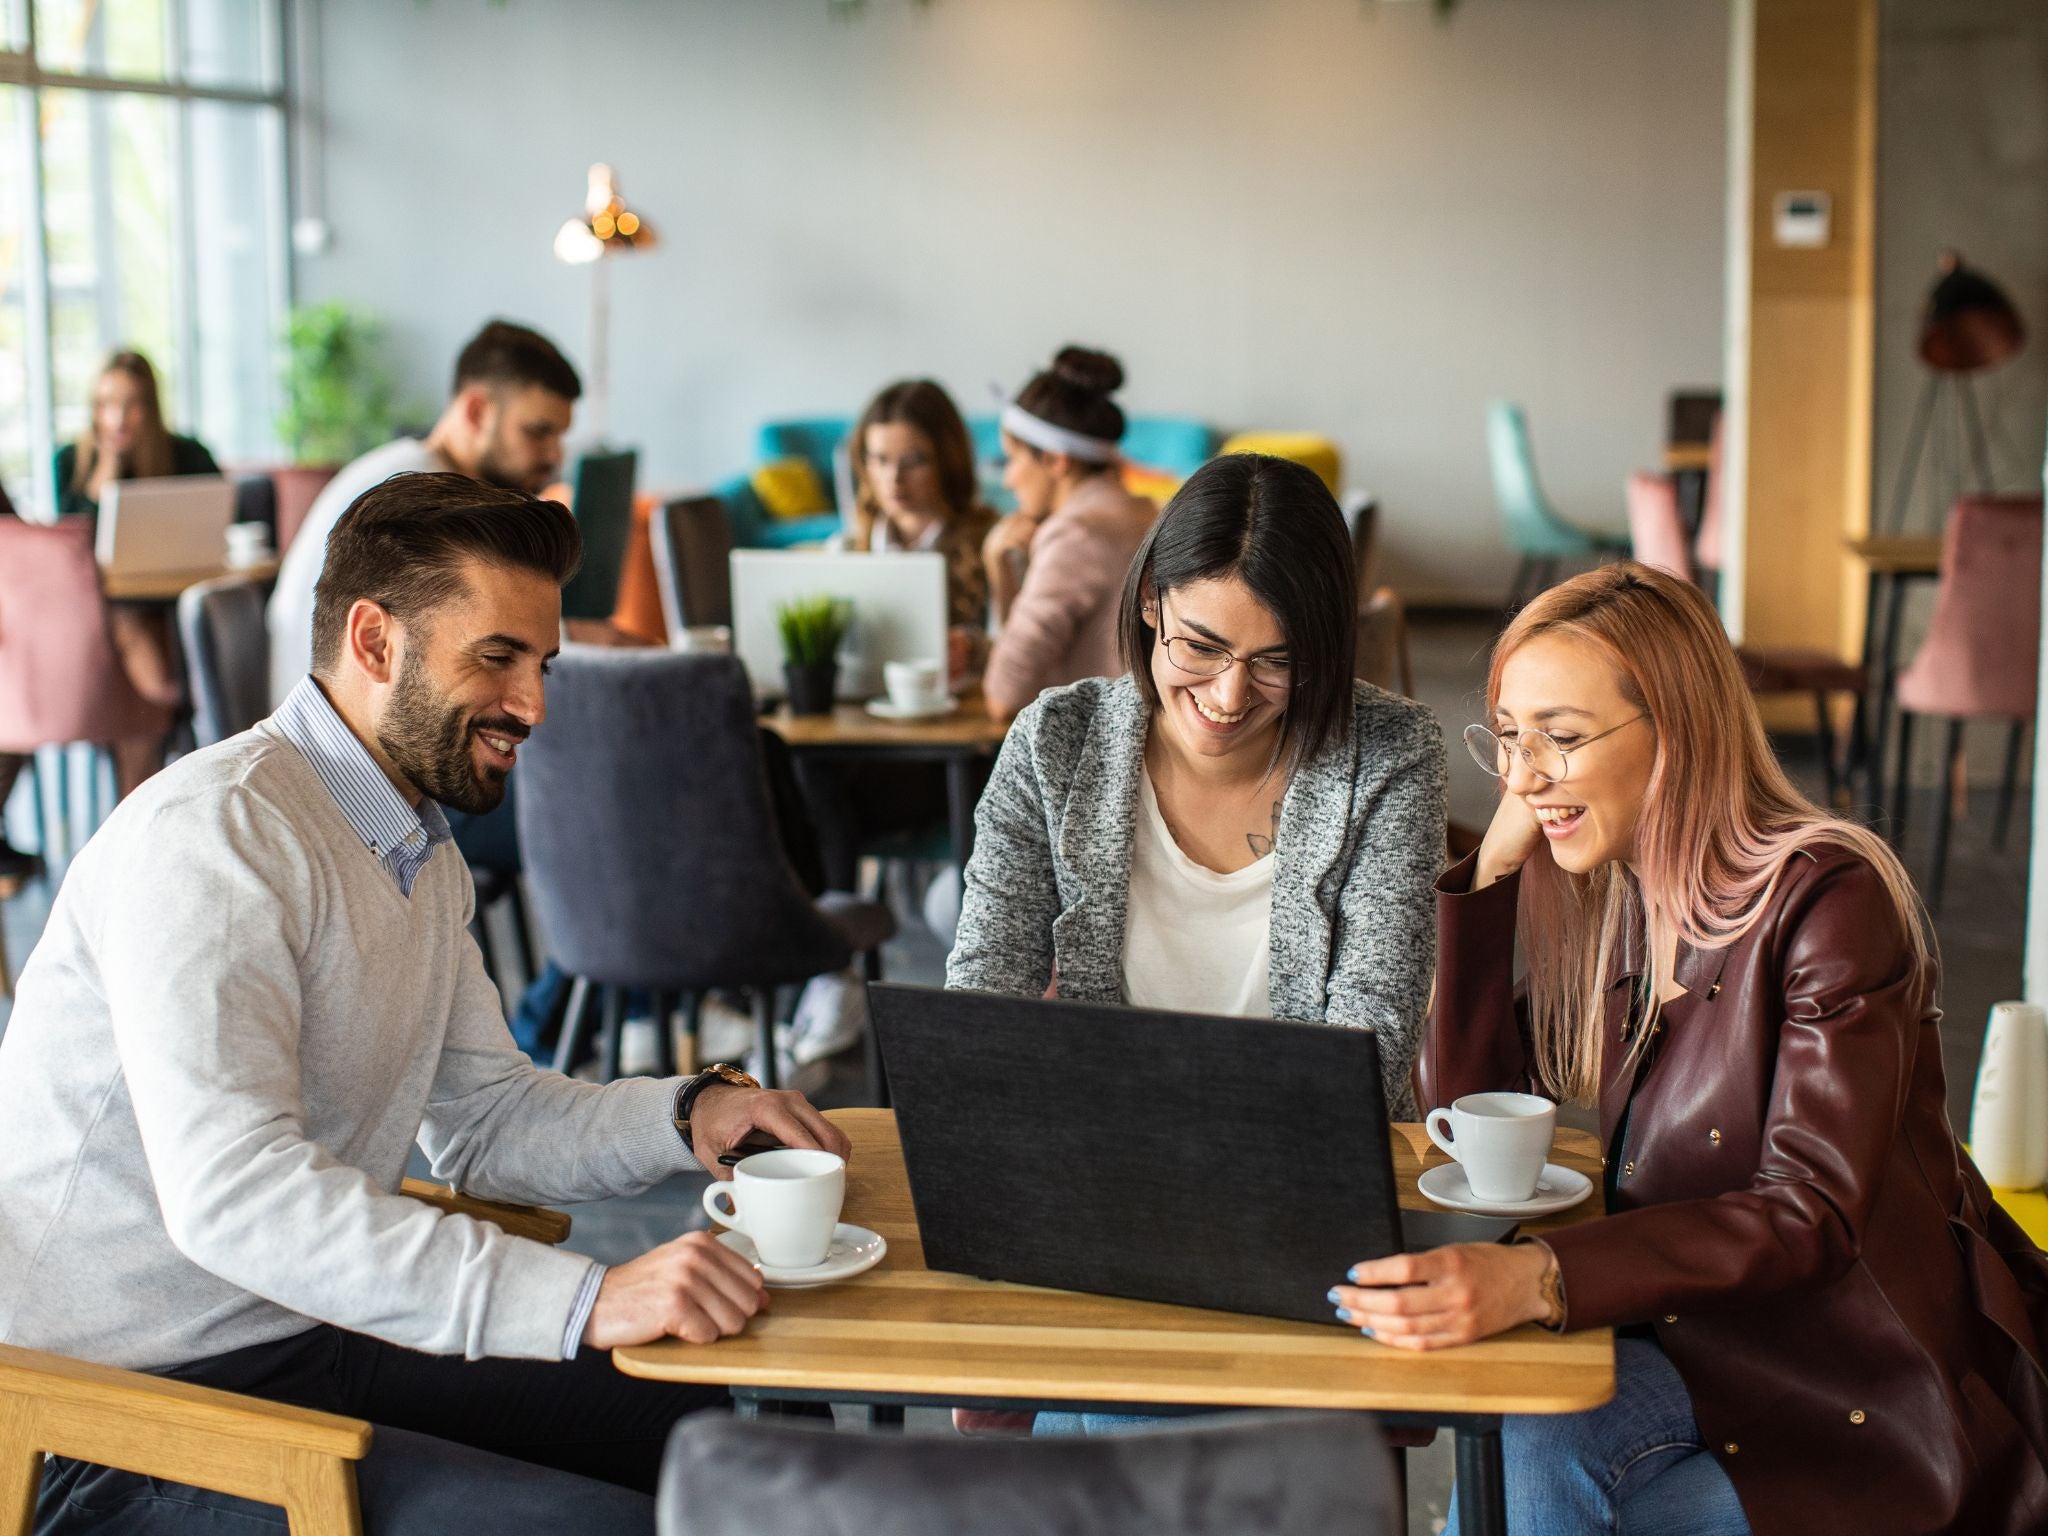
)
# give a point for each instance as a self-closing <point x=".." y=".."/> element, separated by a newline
<point x="1201" y="659"/>
<point x="1546" y="759"/>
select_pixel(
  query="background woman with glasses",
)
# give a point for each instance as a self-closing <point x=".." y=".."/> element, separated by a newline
<point x="1235" y="826"/>
<point x="1825" y="1324"/>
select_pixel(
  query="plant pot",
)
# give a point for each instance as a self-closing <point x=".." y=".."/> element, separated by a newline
<point x="811" y="686"/>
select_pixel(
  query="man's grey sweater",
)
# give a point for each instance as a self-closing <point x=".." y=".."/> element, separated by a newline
<point x="220" y="1056"/>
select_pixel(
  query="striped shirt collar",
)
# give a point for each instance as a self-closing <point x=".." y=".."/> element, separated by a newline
<point x="401" y="838"/>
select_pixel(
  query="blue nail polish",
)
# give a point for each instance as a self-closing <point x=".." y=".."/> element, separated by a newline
<point x="1332" y="1295"/>
<point x="1368" y="1333"/>
<point x="1351" y="1274"/>
<point x="1343" y="1314"/>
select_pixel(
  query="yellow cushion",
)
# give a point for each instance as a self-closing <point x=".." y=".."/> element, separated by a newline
<point x="2028" y="1207"/>
<point x="1157" y="484"/>
<point x="1318" y="453"/>
<point x="791" y="488"/>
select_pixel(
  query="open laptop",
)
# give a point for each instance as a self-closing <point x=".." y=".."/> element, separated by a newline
<point x="1239" y="1164"/>
<point x="898" y="603"/>
<point x="162" y="526"/>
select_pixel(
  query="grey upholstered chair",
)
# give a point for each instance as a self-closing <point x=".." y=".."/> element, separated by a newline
<point x="1228" y="1475"/>
<point x="692" y="539"/>
<point x="651" y="845"/>
<point x="227" y="656"/>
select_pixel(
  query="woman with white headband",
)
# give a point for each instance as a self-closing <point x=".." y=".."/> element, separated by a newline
<point x="1056" y="565"/>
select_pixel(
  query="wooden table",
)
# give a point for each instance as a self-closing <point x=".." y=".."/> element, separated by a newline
<point x="851" y="734"/>
<point x="905" y="1335"/>
<point x="169" y="586"/>
<point x="1890" y="564"/>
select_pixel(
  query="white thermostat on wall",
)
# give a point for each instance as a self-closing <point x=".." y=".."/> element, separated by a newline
<point x="1800" y="220"/>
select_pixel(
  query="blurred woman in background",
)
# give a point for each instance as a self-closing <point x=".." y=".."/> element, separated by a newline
<point x="124" y="439"/>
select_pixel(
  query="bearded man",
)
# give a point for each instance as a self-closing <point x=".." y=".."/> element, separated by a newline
<point x="257" y="991"/>
<point x="511" y="406"/>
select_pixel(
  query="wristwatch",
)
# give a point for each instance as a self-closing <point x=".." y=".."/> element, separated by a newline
<point x="686" y="1096"/>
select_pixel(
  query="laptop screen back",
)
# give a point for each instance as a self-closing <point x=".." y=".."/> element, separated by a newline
<point x="155" y="527"/>
<point x="1240" y="1164"/>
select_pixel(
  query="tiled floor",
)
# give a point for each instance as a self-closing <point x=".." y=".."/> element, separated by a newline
<point x="1980" y="934"/>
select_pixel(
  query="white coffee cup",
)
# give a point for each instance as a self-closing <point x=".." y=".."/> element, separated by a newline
<point x="787" y="1201"/>
<point x="248" y="544"/>
<point x="1500" y="1138"/>
<point x="917" y="684"/>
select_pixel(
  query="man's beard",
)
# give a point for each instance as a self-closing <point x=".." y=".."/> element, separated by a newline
<point x="429" y="742"/>
<point x="494" y="466"/>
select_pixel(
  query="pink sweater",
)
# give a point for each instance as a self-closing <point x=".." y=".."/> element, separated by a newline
<point x="1062" y="626"/>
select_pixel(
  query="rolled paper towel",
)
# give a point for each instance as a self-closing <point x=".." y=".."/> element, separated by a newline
<point x="2009" y="1113"/>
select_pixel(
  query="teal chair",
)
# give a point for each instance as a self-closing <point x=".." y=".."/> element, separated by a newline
<point x="1534" y="529"/>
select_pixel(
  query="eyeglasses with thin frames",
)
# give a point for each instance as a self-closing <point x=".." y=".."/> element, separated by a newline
<point x="1199" y="658"/>
<point x="1546" y="759"/>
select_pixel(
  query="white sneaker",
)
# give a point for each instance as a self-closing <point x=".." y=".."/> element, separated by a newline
<point x="831" y="1015"/>
<point x="942" y="905"/>
<point x="639" y="1047"/>
<point x="806" y="1077"/>
<point x="727" y="1033"/>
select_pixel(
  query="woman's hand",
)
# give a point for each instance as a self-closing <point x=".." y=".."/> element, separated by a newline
<point x="1445" y="1296"/>
<point x="1004" y="554"/>
<point x="1511" y="837"/>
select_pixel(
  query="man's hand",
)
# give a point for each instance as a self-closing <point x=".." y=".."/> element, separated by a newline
<point x="725" y="1114"/>
<point x="694" y="1288"/>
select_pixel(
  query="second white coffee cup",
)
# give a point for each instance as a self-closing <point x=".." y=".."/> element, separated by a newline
<point x="786" y="1201"/>
<point x="1500" y="1138"/>
<point x="914" y="684"/>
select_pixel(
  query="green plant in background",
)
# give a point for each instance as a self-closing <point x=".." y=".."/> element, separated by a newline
<point x="337" y="390"/>
<point x="812" y="628"/>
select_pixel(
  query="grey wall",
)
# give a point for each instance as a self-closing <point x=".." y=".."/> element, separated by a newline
<point x="1962" y="162"/>
<point x="1333" y="215"/>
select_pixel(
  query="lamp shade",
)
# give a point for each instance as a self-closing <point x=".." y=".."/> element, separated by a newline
<point x="607" y="227"/>
<point x="1969" y="323"/>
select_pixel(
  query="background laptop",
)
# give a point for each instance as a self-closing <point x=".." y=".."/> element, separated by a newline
<point x="899" y="610"/>
<point x="1240" y="1164"/>
<point x="159" y="526"/>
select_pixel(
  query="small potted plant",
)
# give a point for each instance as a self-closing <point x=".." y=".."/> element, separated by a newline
<point x="812" y="628"/>
<point x="337" y="396"/>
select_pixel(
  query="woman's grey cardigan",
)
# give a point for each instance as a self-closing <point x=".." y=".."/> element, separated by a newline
<point x="1354" y="908"/>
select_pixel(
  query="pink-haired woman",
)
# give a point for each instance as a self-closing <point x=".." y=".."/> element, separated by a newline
<point x="1824" y="1323"/>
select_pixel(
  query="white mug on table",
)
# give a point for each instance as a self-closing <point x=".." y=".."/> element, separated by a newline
<point x="787" y="1201"/>
<point x="1501" y="1139"/>
<point x="914" y="685"/>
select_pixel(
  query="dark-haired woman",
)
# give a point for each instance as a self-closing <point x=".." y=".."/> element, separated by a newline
<point x="1057" y="564"/>
<point x="124" y="439"/>
<point x="1235" y="826"/>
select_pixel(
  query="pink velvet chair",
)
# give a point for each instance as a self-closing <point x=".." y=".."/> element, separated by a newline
<point x="1657" y="535"/>
<point x="61" y="679"/>
<point x="1981" y="658"/>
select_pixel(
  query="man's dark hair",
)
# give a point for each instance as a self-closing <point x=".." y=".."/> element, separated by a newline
<point x="402" y="545"/>
<point x="503" y="353"/>
<point x="1273" y="525"/>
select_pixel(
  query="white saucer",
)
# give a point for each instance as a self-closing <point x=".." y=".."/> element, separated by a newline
<point x="1557" y="1189"/>
<point x="854" y="1250"/>
<point x="882" y="709"/>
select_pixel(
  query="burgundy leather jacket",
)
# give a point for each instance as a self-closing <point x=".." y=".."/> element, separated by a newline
<point x="1861" y="1329"/>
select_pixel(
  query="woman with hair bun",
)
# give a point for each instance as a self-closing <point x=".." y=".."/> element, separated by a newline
<point x="1824" y="1324"/>
<point x="1056" y="565"/>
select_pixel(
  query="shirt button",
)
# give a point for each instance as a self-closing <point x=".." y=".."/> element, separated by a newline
<point x="1670" y="1317"/>
<point x="1628" y="1168"/>
<point x="1731" y="1448"/>
<point x="1855" y="1415"/>
<point x="1715" y="1137"/>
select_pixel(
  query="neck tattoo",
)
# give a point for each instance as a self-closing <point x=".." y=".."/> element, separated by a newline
<point x="1262" y="843"/>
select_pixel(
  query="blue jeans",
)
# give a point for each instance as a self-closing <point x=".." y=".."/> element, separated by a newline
<point x="1633" y="1466"/>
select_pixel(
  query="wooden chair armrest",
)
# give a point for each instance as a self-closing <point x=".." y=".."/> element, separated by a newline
<point x="529" y="1221"/>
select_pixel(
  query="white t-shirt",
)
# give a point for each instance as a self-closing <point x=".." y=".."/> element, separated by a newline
<point x="290" y="615"/>
<point x="1194" y="941"/>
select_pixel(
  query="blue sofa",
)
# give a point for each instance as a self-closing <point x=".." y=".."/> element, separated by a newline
<point x="1177" y="445"/>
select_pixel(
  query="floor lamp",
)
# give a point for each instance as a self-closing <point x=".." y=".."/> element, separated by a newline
<point x="1969" y="326"/>
<point x="606" y="228"/>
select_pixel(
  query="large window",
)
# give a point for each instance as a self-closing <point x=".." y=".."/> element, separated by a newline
<point x="141" y="206"/>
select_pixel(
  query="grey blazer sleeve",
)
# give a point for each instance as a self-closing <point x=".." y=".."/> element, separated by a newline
<point x="1011" y="896"/>
<point x="1383" y="956"/>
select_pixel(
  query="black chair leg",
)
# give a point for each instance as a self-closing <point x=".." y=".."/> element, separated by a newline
<point x="614" y="1034"/>
<point x="693" y="1020"/>
<point x="764" y="1034"/>
<point x="664" y="1034"/>
<point x="575" y="1025"/>
<point x="1902" y="777"/>
<point x="522" y="932"/>
<point x="1824" y="732"/>
<point x="871" y="1045"/>
<point x="1944" y="813"/>
<point x="2015" y="742"/>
